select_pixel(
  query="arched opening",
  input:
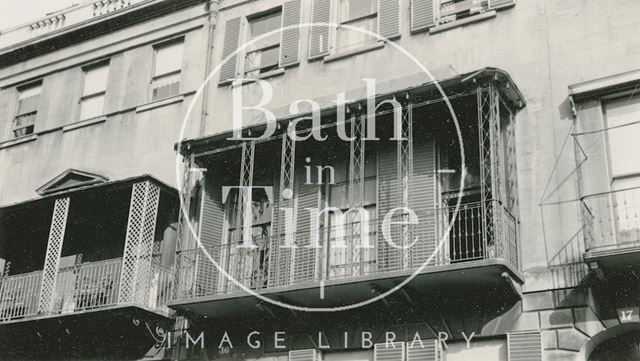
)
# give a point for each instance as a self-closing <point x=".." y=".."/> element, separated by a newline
<point x="620" y="343"/>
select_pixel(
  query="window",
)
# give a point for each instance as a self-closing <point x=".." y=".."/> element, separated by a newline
<point x="167" y="71"/>
<point x="93" y="91"/>
<point x="623" y="122"/>
<point x="452" y="10"/>
<point x="351" y="260"/>
<point x="28" y="100"/>
<point x="360" y="14"/>
<point x="263" y="54"/>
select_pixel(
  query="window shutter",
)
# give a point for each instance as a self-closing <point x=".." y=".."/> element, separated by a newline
<point x="304" y="258"/>
<point x="389" y="197"/>
<point x="303" y="355"/>
<point x="427" y="351"/>
<point x="497" y="4"/>
<point x="524" y="346"/>
<point x="211" y="221"/>
<point x="290" y="42"/>
<point x="423" y="198"/>
<point x="392" y="352"/>
<point x="422" y="15"/>
<point x="389" y="18"/>
<point x="231" y="40"/>
<point x="319" y="42"/>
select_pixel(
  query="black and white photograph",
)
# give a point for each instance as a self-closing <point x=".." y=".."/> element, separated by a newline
<point x="320" y="180"/>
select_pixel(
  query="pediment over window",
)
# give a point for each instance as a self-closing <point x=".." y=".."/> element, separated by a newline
<point x="70" y="179"/>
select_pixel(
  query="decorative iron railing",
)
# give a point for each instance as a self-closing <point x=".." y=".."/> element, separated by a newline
<point x="482" y="230"/>
<point x="86" y="286"/>
<point x="19" y="295"/>
<point x="612" y="219"/>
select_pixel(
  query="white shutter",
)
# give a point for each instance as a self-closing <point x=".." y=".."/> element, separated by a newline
<point x="290" y="42"/>
<point x="422" y="15"/>
<point x="230" y="45"/>
<point x="428" y="350"/>
<point x="303" y="355"/>
<point x="389" y="18"/>
<point x="319" y="42"/>
<point x="497" y="4"/>
<point x="392" y="351"/>
<point x="525" y="346"/>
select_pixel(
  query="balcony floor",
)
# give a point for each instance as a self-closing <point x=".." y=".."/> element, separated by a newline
<point x="482" y="277"/>
<point x="616" y="257"/>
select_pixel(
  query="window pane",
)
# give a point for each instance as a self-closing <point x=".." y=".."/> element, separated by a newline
<point x="623" y="140"/>
<point x="91" y="107"/>
<point x="348" y="38"/>
<point x="166" y="86"/>
<point x="270" y="57"/>
<point x="168" y="58"/>
<point x="353" y="9"/>
<point x="95" y="80"/>
<point x="265" y="24"/>
<point x="28" y="99"/>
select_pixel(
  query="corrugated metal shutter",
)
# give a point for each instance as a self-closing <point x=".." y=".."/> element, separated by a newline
<point x="389" y="258"/>
<point x="230" y="45"/>
<point x="423" y="199"/>
<point x="389" y="18"/>
<point x="212" y="218"/>
<point x="394" y="351"/>
<point x="303" y="355"/>
<point x="497" y="4"/>
<point x="319" y="42"/>
<point x="305" y="258"/>
<point x="422" y="15"/>
<point x="290" y="42"/>
<point x="427" y="351"/>
<point x="524" y="346"/>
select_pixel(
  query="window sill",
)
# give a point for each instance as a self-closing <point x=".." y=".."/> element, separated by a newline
<point x="160" y="103"/>
<point x="269" y="74"/>
<point x="84" y="123"/>
<point x="16" y="141"/>
<point x="356" y="51"/>
<point x="470" y="20"/>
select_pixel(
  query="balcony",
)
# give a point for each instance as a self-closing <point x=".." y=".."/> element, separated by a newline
<point x="357" y="245"/>
<point x="85" y="287"/>
<point x="612" y="229"/>
<point x="465" y="245"/>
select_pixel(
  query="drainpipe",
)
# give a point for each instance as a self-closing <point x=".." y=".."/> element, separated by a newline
<point x="212" y="19"/>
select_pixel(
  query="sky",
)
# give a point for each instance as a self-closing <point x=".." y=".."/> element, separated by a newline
<point x="16" y="12"/>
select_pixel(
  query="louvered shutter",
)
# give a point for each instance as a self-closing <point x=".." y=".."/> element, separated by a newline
<point x="389" y="258"/>
<point x="428" y="350"/>
<point x="524" y="346"/>
<point x="304" y="258"/>
<point x="319" y="42"/>
<point x="230" y="45"/>
<point x="290" y="41"/>
<point x="303" y="355"/>
<point x="497" y="4"/>
<point x="422" y="15"/>
<point x="211" y="226"/>
<point x="389" y="18"/>
<point x="393" y="351"/>
<point x="423" y="199"/>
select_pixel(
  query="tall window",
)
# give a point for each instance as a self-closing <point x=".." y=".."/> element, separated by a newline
<point x="167" y="71"/>
<point x="263" y="54"/>
<point x="28" y="100"/>
<point x="360" y="14"/>
<point x="94" y="91"/>
<point x="355" y="228"/>
<point x="623" y="121"/>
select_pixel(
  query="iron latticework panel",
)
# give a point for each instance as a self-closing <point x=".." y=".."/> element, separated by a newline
<point x="281" y="257"/>
<point x="52" y="257"/>
<point x="136" y="259"/>
<point x="405" y="173"/>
